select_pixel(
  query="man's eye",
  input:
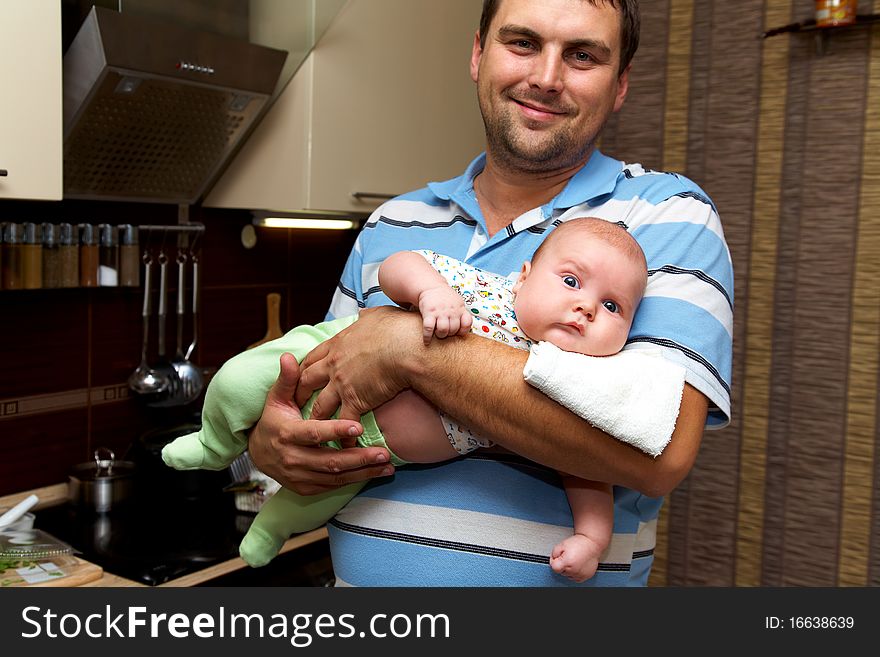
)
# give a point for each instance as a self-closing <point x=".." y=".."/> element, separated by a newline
<point x="522" y="43"/>
<point x="610" y="306"/>
<point x="582" y="58"/>
<point x="571" y="281"/>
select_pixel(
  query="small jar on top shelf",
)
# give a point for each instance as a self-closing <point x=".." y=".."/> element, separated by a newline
<point x="13" y="263"/>
<point x="51" y="256"/>
<point x="88" y="256"/>
<point x="108" y="256"/>
<point x="32" y="257"/>
<point x="68" y="251"/>
<point x="129" y="256"/>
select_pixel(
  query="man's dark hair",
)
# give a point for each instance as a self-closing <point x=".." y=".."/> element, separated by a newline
<point x="630" y="23"/>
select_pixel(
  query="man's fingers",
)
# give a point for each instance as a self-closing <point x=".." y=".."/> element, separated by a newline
<point x="335" y="480"/>
<point x="312" y="433"/>
<point x="343" y="466"/>
<point x="312" y="377"/>
<point x="285" y="385"/>
<point x="316" y="354"/>
<point x="326" y="404"/>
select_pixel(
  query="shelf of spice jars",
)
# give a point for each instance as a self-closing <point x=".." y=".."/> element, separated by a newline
<point x="40" y="256"/>
<point x="47" y="256"/>
<point x="822" y="32"/>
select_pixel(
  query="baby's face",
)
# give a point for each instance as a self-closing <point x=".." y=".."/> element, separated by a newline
<point x="581" y="295"/>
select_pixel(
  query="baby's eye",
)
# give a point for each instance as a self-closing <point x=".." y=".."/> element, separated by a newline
<point x="571" y="281"/>
<point x="610" y="306"/>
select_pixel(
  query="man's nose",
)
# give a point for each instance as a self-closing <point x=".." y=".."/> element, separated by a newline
<point x="547" y="71"/>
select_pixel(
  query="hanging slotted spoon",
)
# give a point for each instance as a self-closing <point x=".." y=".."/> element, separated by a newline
<point x="190" y="375"/>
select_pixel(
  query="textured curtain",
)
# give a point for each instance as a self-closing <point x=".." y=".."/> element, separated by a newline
<point x="784" y="135"/>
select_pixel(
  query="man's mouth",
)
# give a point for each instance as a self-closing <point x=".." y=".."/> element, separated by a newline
<point x="538" y="110"/>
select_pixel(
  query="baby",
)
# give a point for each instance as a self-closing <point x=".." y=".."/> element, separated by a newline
<point x="580" y="291"/>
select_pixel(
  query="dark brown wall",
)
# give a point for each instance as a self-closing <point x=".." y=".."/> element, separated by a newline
<point x="65" y="355"/>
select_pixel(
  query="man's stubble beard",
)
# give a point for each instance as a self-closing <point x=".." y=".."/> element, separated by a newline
<point x="511" y="151"/>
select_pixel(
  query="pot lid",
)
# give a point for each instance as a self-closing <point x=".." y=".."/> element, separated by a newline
<point x="104" y="467"/>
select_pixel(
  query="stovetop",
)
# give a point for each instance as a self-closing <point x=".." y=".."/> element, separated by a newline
<point x="152" y="541"/>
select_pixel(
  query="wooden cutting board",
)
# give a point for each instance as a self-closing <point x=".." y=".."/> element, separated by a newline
<point x="75" y="574"/>
<point x="273" y="313"/>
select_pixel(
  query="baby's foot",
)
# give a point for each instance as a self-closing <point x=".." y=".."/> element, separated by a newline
<point x="258" y="547"/>
<point x="577" y="557"/>
<point x="185" y="453"/>
<point x="190" y="452"/>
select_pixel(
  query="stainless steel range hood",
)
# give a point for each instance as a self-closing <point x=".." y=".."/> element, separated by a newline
<point x="153" y="111"/>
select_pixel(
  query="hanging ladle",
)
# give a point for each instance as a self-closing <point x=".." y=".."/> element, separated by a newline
<point x="145" y="380"/>
<point x="172" y="395"/>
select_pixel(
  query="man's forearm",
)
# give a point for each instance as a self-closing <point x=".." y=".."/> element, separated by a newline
<point x="494" y="401"/>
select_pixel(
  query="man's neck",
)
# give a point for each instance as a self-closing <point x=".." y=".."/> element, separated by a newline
<point x="505" y="194"/>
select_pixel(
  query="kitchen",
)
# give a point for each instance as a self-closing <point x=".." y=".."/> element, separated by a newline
<point x="770" y="133"/>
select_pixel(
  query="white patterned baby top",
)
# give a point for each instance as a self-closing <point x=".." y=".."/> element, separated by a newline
<point x="488" y="297"/>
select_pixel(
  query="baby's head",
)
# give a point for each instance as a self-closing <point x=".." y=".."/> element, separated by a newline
<point x="582" y="287"/>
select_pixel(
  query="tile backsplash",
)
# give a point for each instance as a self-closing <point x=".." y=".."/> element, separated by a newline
<point x="66" y="354"/>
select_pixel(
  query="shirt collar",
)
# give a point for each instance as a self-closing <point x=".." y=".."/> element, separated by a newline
<point x="462" y="184"/>
<point x="597" y="178"/>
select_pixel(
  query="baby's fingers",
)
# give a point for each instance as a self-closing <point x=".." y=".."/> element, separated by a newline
<point x="467" y="321"/>
<point x="442" y="328"/>
<point x="428" y="323"/>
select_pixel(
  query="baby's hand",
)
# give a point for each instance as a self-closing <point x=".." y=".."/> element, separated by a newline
<point x="443" y="313"/>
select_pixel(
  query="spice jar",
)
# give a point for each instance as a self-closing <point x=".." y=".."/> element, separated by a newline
<point x="88" y="256"/>
<point x="108" y="256"/>
<point x="13" y="265"/>
<point x="835" y="12"/>
<point x="68" y="250"/>
<point x="51" y="256"/>
<point x="32" y="257"/>
<point x="129" y="259"/>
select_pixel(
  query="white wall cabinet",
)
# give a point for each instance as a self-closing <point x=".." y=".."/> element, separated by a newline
<point x="31" y="121"/>
<point x="383" y="104"/>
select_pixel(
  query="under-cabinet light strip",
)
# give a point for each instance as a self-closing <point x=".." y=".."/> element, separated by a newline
<point x="313" y="224"/>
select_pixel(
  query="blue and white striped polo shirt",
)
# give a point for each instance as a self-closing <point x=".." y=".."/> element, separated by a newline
<point x="491" y="520"/>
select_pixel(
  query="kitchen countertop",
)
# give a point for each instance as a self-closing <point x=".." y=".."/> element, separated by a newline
<point x="57" y="494"/>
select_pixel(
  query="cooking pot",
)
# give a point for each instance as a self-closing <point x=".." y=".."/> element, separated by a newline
<point x="102" y="484"/>
<point x="161" y="481"/>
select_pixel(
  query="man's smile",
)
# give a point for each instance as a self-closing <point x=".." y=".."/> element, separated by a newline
<point x="536" y="110"/>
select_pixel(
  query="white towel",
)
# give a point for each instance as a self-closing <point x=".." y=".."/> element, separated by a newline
<point x="634" y="395"/>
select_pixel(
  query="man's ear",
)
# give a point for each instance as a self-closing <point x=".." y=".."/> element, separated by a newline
<point x="523" y="275"/>
<point x="476" y="54"/>
<point x="622" y="88"/>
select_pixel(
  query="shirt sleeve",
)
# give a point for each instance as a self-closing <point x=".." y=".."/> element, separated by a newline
<point x="687" y="310"/>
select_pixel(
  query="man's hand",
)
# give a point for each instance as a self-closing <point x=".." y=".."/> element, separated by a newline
<point x="443" y="313"/>
<point x="363" y="366"/>
<point x="287" y="448"/>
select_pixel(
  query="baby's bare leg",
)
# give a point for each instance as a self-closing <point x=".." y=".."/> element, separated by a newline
<point x="592" y="507"/>
<point x="412" y="429"/>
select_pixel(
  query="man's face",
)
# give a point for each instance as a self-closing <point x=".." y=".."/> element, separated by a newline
<point x="547" y="81"/>
<point x="581" y="294"/>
